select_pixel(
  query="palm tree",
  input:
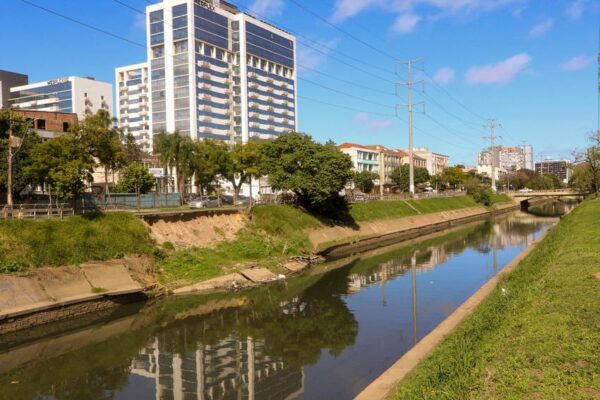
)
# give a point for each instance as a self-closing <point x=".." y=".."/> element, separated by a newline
<point x="175" y="151"/>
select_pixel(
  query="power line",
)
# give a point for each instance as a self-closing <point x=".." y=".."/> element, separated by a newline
<point x="314" y="14"/>
<point x="83" y="23"/>
<point x="345" y="93"/>
<point x="440" y="87"/>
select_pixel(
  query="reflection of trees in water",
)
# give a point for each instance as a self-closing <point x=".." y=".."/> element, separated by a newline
<point x="293" y="329"/>
<point x="101" y="384"/>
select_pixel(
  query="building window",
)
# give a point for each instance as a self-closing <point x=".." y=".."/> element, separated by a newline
<point x="41" y="124"/>
<point x="66" y="126"/>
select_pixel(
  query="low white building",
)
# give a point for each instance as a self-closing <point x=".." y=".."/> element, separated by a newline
<point x="73" y="94"/>
<point x="435" y="162"/>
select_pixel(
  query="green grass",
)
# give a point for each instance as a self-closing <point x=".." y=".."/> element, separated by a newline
<point x="77" y="239"/>
<point x="539" y="339"/>
<point x="396" y="209"/>
<point x="274" y="233"/>
<point x="500" y="198"/>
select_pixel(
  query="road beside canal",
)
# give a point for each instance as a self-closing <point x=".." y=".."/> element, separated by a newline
<point x="536" y="336"/>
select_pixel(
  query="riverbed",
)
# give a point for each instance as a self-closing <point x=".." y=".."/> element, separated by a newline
<point x="317" y="336"/>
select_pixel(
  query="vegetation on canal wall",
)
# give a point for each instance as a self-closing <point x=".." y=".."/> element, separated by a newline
<point x="74" y="240"/>
<point x="536" y="336"/>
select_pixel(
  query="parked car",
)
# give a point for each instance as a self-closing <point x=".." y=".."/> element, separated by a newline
<point x="205" y="202"/>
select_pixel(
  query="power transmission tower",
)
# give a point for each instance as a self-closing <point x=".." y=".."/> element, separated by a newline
<point x="493" y="125"/>
<point x="409" y="105"/>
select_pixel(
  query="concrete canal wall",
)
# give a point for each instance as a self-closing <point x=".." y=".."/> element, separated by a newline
<point x="53" y="294"/>
<point x="338" y="241"/>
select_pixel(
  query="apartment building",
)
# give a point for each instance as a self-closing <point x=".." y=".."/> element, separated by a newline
<point x="133" y="104"/>
<point x="364" y="158"/>
<point x="418" y="161"/>
<point x="560" y="168"/>
<point x="434" y="162"/>
<point x="48" y="124"/>
<point x="507" y="158"/>
<point x="81" y="96"/>
<point x="217" y="73"/>
<point x="9" y="80"/>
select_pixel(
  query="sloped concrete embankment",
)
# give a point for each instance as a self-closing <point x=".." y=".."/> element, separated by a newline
<point x="203" y="228"/>
<point x="53" y="294"/>
<point x="337" y="241"/>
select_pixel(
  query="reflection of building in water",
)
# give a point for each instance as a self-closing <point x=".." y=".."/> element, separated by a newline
<point x="426" y="259"/>
<point x="229" y="369"/>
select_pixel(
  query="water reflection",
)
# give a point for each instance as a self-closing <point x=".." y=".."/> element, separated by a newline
<point x="320" y="337"/>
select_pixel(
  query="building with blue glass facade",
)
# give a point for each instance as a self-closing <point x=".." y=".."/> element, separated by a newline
<point x="217" y="73"/>
<point x="81" y="96"/>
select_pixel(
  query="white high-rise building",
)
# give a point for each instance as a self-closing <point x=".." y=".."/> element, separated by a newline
<point x="81" y="96"/>
<point x="133" y="105"/>
<point x="218" y="73"/>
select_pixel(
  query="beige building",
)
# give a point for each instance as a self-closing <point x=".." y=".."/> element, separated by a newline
<point x="435" y="162"/>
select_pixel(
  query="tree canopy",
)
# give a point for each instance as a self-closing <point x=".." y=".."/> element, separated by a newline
<point x="315" y="172"/>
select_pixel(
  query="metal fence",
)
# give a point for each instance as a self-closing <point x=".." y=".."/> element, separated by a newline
<point x="36" y="211"/>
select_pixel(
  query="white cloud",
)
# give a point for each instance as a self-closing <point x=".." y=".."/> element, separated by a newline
<point x="444" y="76"/>
<point x="575" y="10"/>
<point x="316" y="55"/>
<point x="373" y="124"/>
<point x="267" y="8"/>
<point x="542" y="28"/>
<point x="345" y="9"/>
<point x="577" y="63"/>
<point x="500" y="73"/>
<point x="405" y="23"/>
<point x="139" y="22"/>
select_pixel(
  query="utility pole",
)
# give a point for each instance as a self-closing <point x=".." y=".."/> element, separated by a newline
<point x="9" y="185"/>
<point x="493" y="125"/>
<point x="409" y="85"/>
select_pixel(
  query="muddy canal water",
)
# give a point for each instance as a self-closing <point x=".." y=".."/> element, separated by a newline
<point x="321" y="336"/>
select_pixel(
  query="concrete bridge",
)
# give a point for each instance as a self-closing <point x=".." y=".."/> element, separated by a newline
<point x="546" y="193"/>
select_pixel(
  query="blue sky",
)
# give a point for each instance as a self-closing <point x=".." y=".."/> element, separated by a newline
<point x="530" y="64"/>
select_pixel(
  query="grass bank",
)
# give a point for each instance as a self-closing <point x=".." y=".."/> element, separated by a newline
<point x="34" y="243"/>
<point x="273" y="233"/>
<point x="371" y="211"/>
<point x="537" y="336"/>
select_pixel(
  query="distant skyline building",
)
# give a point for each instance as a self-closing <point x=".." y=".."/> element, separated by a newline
<point x="9" y="80"/>
<point x="528" y="154"/>
<point x="562" y="169"/>
<point x="81" y="96"/>
<point x="218" y="73"/>
<point x="133" y="103"/>
<point x="506" y="158"/>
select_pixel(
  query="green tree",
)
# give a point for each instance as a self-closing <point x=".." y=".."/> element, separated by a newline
<point x="103" y="141"/>
<point x="315" y="172"/>
<point x="209" y="156"/>
<point x="591" y="156"/>
<point x="132" y="152"/>
<point x="243" y="162"/>
<point x="63" y="164"/>
<point x="454" y="176"/>
<point x="22" y="129"/>
<point x="363" y="180"/>
<point x="136" y="179"/>
<point x="176" y="152"/>
<point x="400" y="176"/>
<point x="582" y="178"/>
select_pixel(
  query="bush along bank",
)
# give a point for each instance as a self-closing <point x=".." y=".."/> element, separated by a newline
<point x="536" y="335"/>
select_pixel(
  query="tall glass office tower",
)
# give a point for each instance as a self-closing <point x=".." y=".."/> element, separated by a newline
<point x="215" y="72"/>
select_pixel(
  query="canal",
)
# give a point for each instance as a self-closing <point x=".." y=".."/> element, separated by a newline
<point x="317" y="336"/>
